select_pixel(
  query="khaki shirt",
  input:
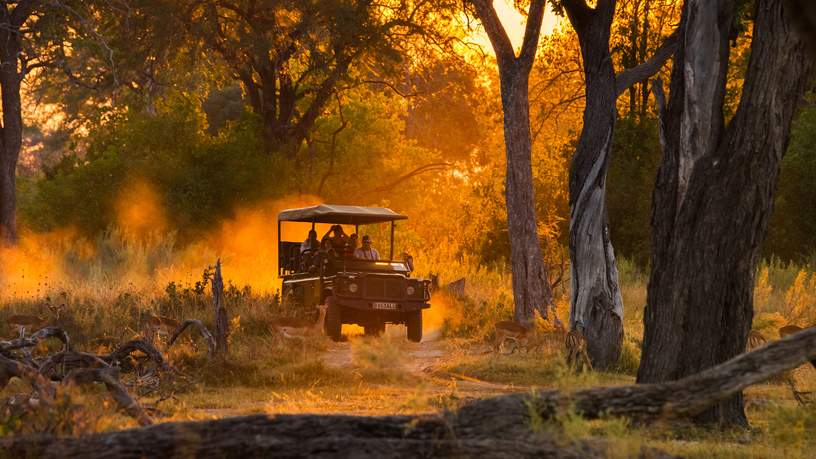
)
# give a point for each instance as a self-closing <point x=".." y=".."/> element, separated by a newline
<point x="363" y="254"/>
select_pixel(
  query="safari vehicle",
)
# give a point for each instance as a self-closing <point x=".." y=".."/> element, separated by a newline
<point x="363" y="292"/>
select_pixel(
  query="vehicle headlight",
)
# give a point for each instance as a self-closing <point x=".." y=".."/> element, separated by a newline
<point x="410" y="290"/>
<point x="352" y="287"/>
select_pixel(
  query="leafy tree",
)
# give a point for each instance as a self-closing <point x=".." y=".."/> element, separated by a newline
<point x="291" y="57"/>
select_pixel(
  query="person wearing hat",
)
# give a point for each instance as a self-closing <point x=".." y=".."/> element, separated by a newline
<point x="366" y="252"/>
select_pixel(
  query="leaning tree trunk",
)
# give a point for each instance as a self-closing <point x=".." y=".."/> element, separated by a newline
<point x="531" y="288"/>
<point x="714" y="192"/>
<point x="596" y="306"/>
<point x="12" y="129"/>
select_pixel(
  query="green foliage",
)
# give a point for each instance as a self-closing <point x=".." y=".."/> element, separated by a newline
<point x="632" y="170"/>
<point x="199" y="179"/>
<point x="792" y="231"/>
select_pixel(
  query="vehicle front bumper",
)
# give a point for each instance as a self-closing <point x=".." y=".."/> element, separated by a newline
<point x="365" y="304"/>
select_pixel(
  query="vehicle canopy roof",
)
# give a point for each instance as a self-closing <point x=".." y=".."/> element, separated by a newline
<point x="344" y="215"/>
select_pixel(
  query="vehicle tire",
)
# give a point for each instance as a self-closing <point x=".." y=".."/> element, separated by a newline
<point x="414" y="325"/>
<point x="333" y="324"/>
<point x="375" y="328"/>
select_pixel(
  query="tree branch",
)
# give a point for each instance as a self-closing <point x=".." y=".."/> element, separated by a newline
<point x="578" y="12"/>
<point x="625" y="79"/>
<point x="419" y="170"/>
<point x="495" y="32"/>
<point x="532" y="31"/>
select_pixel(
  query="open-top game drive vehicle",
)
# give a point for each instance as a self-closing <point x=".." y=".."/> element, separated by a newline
<point x="354" y="285"/>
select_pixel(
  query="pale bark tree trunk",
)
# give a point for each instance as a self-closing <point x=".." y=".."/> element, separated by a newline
<point x="11" y="134"/>
<point x="596" y="307"/>
<point x="714" y="192"/>
<point x="531" y="288"/>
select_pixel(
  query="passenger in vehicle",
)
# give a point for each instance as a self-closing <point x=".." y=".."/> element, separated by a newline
<point x="321" y="260"/>
<point x="310" y="243"/>
<point x="351" y="246"/>
<point x="366" y="252"/>
<point x="338" y="237"/>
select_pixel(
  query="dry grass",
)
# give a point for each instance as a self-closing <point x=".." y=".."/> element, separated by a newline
<point x="388" y="375"/>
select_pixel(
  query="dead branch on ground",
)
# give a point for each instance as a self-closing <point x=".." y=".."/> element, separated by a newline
<point x="202" y="329"/>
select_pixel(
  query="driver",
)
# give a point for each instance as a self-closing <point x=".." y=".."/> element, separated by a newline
<point x="366" y="252"/>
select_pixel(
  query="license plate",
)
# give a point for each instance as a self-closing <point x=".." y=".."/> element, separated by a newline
<point x="385" y="305"/>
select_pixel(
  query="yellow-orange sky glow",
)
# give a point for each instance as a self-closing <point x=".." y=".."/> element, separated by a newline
<point x="514" y="23"/>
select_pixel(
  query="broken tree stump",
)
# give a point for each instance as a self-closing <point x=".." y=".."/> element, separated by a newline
<point x="221" y="320"/>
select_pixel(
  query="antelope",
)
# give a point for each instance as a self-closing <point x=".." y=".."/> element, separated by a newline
<point x="23" y="321"/>
<point x="755" y="340"/>
<point x="575" y="343"/>
<point x="511" y="330"/>
<point x="297" y="331"/>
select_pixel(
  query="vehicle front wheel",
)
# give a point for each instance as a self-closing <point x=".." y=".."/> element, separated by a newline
<point x="333" y="324"/>
<point x="414" y="325"/>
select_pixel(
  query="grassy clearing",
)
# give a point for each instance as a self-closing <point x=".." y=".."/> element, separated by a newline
<point x="388" y="375"/>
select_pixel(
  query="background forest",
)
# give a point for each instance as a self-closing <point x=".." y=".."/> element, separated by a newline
<point x="170" y="121"/>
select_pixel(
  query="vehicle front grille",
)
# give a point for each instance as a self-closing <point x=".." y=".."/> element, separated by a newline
<point x="390" y="288"/>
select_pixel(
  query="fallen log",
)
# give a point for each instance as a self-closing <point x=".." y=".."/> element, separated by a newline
<point x="290" y="436"/>
<point x="495" y="427"/>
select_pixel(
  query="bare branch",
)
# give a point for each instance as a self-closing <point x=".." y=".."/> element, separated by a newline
<point x="208" y="337"/>
<point x="625" y="79"/>
<point x="110" y="377"/>
<point x="33" y="339"/>
<point x="419" y="170"/>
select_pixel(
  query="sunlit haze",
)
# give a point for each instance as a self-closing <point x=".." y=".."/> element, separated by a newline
<point x="514" y="23"/>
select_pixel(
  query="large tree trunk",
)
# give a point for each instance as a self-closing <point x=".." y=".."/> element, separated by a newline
<point x="12" y="129"/>
<point x="596" y="306"/>
<point x="495" y="427"/>
<point x="531" y="287"/>
<point x="714" y="192"/>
